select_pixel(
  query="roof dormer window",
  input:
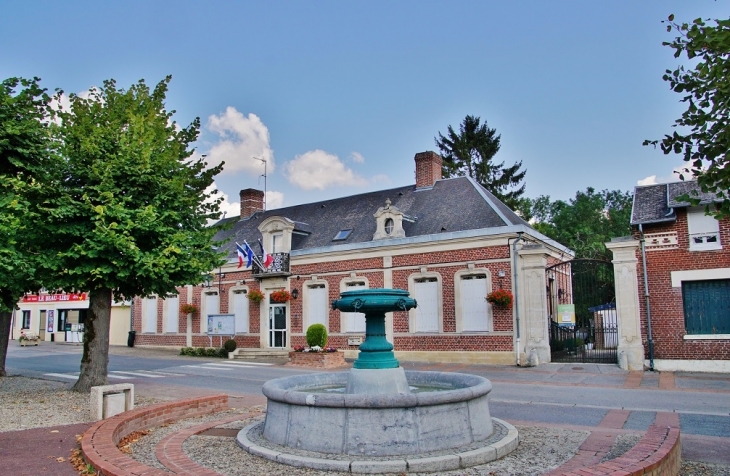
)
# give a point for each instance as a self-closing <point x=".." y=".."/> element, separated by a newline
<point x="389" y="222"/>
<point x="388" y="226"/>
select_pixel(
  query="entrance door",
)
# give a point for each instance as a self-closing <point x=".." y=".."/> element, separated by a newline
<point x="277" y="326"/>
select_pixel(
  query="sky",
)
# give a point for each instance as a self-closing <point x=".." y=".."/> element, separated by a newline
<point x="338" y="96"/>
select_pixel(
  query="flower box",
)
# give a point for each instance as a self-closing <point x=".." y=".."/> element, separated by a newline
<point x="320" y="360"/>
<point x="28" y="338"/>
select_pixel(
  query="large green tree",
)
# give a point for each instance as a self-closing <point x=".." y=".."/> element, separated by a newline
<point x="702" y="134"/>
<point x="470" y="152"/>
<point x="130" y="218"/>
<point x="584" y="223"/>
<point x="26" y="173"/>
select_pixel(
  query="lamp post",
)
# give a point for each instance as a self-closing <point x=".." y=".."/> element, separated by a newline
<point x="264" y="176"/>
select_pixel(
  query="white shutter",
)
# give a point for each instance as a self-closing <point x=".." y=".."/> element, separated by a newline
<point x="476" y="313"/>
<point x="355" y="320"/>
<point x="427" y="316"/>
<point x="172" y="318"/>
<point x="317" y="309"/>
<point x="240" y="309"/>
<point x="211" y="307"/>
<point x="149" y="319"/>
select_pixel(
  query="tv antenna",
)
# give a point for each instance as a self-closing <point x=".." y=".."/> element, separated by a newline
<point x="264" y="176"/>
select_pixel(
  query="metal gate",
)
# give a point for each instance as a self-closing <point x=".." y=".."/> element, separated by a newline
<point x="581" y="300"/>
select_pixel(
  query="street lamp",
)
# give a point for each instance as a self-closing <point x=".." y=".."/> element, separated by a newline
<point x="264" y="176"/>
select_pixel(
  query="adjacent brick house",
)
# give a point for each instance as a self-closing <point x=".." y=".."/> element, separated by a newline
<point x="688" y="269"/>
<point x="449" y="242"/>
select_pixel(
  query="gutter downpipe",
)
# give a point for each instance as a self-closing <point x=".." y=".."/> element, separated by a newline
<point x="514" y="287"/>
<point x="649" y="337"/>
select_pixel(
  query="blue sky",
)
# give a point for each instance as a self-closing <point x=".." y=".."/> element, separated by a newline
<point x="339" y="96"/>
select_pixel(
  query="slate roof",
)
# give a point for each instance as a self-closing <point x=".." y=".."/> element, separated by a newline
<point x="451" y="205"/>
<point x="656" y="203"/>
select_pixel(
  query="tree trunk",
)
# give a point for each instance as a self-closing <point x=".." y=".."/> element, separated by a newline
<point x="95" y="361"/>
<point x="5" y="321"/>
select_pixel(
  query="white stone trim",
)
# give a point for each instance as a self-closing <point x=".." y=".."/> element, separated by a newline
<point x="698" y="275"/>
<point x="707" y="336"/>
<point x="670" y="365"/>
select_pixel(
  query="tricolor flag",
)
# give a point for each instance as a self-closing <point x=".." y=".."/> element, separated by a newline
<point x="244" y="254"/>
<point x="266" y="258"/>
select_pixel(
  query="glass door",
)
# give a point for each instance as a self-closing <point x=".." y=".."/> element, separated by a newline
<point x="277" y="326"/>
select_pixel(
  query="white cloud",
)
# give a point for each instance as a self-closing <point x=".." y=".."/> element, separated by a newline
<point x="655" y="179"/>
<point x="274" y="199"/>
<point x="317" y="169"/>
<point x="380" y="178"/>
<point x="227" y="208"/>
<point x="240" y="139"/>
<point x="357" y="157"/>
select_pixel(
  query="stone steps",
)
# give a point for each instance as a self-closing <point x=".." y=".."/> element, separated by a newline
<point x="278" y="356"/>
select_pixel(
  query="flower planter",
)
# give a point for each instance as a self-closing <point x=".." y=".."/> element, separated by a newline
<point x="320" y="360"/>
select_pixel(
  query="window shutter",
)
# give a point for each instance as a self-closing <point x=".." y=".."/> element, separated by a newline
<point x="355" y="320"/>
<point x="476" y="313"/>
<point x="317" y="309"/>
<point x="427" y="311"/>
<point x="173" y="314"/>
<point x="240" y="309"/>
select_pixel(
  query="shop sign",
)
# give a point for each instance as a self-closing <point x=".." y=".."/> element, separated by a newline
<point x="55" y="297"/>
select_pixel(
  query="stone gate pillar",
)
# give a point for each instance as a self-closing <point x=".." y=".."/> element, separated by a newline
<point x="630" y="348"/>
<point x="532" y="305"/>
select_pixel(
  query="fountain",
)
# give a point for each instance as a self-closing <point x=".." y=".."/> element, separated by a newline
<point x="377" y="411"/>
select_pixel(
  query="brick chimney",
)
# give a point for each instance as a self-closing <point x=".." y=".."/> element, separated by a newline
<point x="252" y="201"/>
<point x="428" y="168"/>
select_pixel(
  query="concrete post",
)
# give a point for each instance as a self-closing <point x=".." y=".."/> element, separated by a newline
<point x="534" y="332"/>
<point x="630" y="348"/>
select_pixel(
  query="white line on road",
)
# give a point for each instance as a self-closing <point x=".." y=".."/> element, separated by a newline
<point x="232" y="366"/>
<point x="205" y="367"/>
<point x="248" y="363"/>
<point x="138" y="374"/>
<point x="72" y="377"/>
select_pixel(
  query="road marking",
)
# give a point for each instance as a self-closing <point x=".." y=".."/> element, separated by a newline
<point x="138" y="374"/>
<point x="72" y="377"/>
<point x="249" y="363"/>
<point x="232" y="366"/>
<point x="205" y="367"/>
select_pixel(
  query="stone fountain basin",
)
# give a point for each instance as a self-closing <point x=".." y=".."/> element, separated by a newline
<point x="378" y="425"/>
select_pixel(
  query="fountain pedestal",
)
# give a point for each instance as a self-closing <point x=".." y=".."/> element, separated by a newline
<point x="376" y="370"/>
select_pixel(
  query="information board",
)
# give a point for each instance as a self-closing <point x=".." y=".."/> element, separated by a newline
<point x="566" y="314"/>
<point x="221" y="324"/>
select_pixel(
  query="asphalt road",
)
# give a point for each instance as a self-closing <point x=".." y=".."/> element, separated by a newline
<point x="525" y="395"/>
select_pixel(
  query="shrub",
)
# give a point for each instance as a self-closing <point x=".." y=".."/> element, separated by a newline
<point x="200" y="351"/>
<point x="222" y="353"/>
<point x="187" y="351"/>
<point x="212" y="352"/>
<point x="230" y="345"/>
<point x="316" y="335"/>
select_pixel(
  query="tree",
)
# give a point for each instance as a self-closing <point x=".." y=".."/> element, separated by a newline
<point x="26" y="165"/>
<point x="703" y="130"/>
<point x="584" y="223"/>
<point x="130" y="218"/>
<point x="470" y="152"/>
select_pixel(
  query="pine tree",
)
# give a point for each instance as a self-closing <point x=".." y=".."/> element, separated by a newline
<point x="471" y="151"/>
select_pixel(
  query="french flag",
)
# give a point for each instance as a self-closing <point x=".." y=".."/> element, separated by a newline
<point x="244" y="253"/>
<point x="266" y="258"/>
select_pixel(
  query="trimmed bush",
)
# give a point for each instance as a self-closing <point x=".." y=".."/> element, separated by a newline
<point x="212" y="352"/>
<point x="230" y="345"/>
<point x="200" y="352"/>
<point x="317" y="335"/>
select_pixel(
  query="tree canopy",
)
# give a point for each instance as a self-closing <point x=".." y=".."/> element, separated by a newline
<point x="130" y="216"/>
<point x="584" y="223"/>
<point x="470" y="152"/>
<point x="26" y="172"/>
<point x="702" y="134"/>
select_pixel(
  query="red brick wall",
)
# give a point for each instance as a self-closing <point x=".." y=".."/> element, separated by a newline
<point x="450" y="262"/>
<point x="667" y="308"/>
